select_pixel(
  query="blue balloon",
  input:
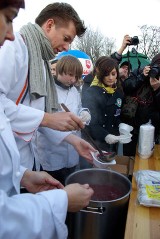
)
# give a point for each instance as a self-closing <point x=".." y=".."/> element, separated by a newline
<point x="82" y="56"/>
<point x="76" y="53"/>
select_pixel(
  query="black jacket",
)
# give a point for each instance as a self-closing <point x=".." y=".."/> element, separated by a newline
<point x="148" y="108"/>
<point x="105" y="111"/>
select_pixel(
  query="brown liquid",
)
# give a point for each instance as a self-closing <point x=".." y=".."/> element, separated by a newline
<point x="106" y="193"/>
<point x="105" y="154"/>
<point x="104" y="157"/>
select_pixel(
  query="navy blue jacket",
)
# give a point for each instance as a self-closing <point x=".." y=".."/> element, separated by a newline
<point x="105" y="111"/>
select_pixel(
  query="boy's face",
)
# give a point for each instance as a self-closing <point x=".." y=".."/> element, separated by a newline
<point x="67" y="79"/>
<point x="53" y="69"/>
<point x="6" y="29"/>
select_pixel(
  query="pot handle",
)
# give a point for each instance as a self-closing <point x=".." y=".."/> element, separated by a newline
<point x="98" y="210"/>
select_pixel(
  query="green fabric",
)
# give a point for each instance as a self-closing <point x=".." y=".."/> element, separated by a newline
<point x="133" y="60"/>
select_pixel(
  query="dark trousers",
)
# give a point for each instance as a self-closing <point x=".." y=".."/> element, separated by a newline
<point x="130" y="148"/>
<point x="62" y="174"/>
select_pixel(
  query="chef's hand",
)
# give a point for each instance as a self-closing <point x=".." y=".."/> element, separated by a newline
<point x="62" y="121"/>
<point x="83" y="147"/>
<point x="39" y="181"/>
<point x="78" y="196"/>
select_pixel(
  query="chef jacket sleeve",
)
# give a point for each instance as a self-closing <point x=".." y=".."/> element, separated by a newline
<point x="37" y="216"/>
<point x="24" y="120"/>
<point x="54" y="136"/>
<point x="13" y="72"/>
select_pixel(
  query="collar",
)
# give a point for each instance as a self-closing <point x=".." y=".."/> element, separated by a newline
<point x="61" y="84"/>
<point x="109" y="90"/>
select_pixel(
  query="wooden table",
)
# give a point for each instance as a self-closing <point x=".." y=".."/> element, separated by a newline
<point x="143" y="222"/>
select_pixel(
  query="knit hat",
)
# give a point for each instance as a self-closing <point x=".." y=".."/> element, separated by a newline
<point x="126" y="63"/>
<point x="156" y="60"/>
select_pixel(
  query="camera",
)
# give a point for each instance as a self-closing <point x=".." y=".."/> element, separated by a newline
<point x="134" y="41"/>
<point x="154" y="71"/>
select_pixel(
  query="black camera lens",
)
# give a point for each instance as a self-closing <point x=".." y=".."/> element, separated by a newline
<point x="134" y="41"/>
<point x="154" y="71"/>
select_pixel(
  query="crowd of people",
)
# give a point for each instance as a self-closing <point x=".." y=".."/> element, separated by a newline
<point x="137" y="105"/>
<point x="41" y="143"/>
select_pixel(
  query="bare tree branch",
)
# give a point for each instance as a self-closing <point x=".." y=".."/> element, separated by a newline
<point x="94" y="44"/>
<point x="149" y="40"/>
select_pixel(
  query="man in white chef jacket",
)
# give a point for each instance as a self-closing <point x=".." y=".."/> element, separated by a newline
<point x="26" y="216"/>
<point x="29" y="84"/>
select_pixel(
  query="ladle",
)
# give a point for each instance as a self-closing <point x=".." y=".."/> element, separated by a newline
<point x="102" y="157"/>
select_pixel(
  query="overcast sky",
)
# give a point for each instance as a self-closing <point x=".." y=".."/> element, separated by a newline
<point x="114" y="18"/>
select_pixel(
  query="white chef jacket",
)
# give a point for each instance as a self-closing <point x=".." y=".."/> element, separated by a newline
<point x="54" y="153"/>
<point x="24" y="120"/>
<point x="33" y="216"/>
<point x="24" y="216"/>
<point x="10" y="170"/>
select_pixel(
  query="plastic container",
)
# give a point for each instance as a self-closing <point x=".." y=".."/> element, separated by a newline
<point x="100" y="164"/>
<point x="146" y="140"/>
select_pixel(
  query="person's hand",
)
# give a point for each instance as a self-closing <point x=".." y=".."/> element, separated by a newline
<point x="155" y="83"/>
<point x="125" y="42"/>
<point x="146" y="70"/>
<point x="62" y="121"/>
<point x="39" y="181"/>
<point x="78" y="196"/>
<point x="85" y="116"/>
<point x="111" y="139"/>
<point x="125" y="128"/>
<point x="83" y="147"/>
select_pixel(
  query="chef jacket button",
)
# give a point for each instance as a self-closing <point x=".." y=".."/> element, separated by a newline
<point x="112" y="125"/>
<point x="18" y="174"/>
<point x="104" y="92"/>
<point x="104" y="125"/>
<point x="105" y="115"/>
<point x="1" y="127"/>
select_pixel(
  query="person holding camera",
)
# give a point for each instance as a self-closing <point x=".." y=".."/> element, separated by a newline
<point x="124" y="67"/>
<point x="140" y="104"/>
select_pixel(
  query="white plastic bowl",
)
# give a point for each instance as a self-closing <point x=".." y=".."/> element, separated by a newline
<point x="125" y="128"/>
<point x="125" y="138"/>
<point x="100" y="164"/>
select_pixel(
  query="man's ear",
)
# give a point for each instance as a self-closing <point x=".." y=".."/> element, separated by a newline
<point x="49" y="24"/>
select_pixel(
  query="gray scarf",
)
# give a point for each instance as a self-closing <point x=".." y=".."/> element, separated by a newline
<point x="40" y="48"/>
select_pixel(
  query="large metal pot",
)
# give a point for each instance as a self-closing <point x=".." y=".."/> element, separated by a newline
<point x="105" y="217"/>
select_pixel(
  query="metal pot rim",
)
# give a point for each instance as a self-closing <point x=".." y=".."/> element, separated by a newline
<point x="104" y="170"/>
